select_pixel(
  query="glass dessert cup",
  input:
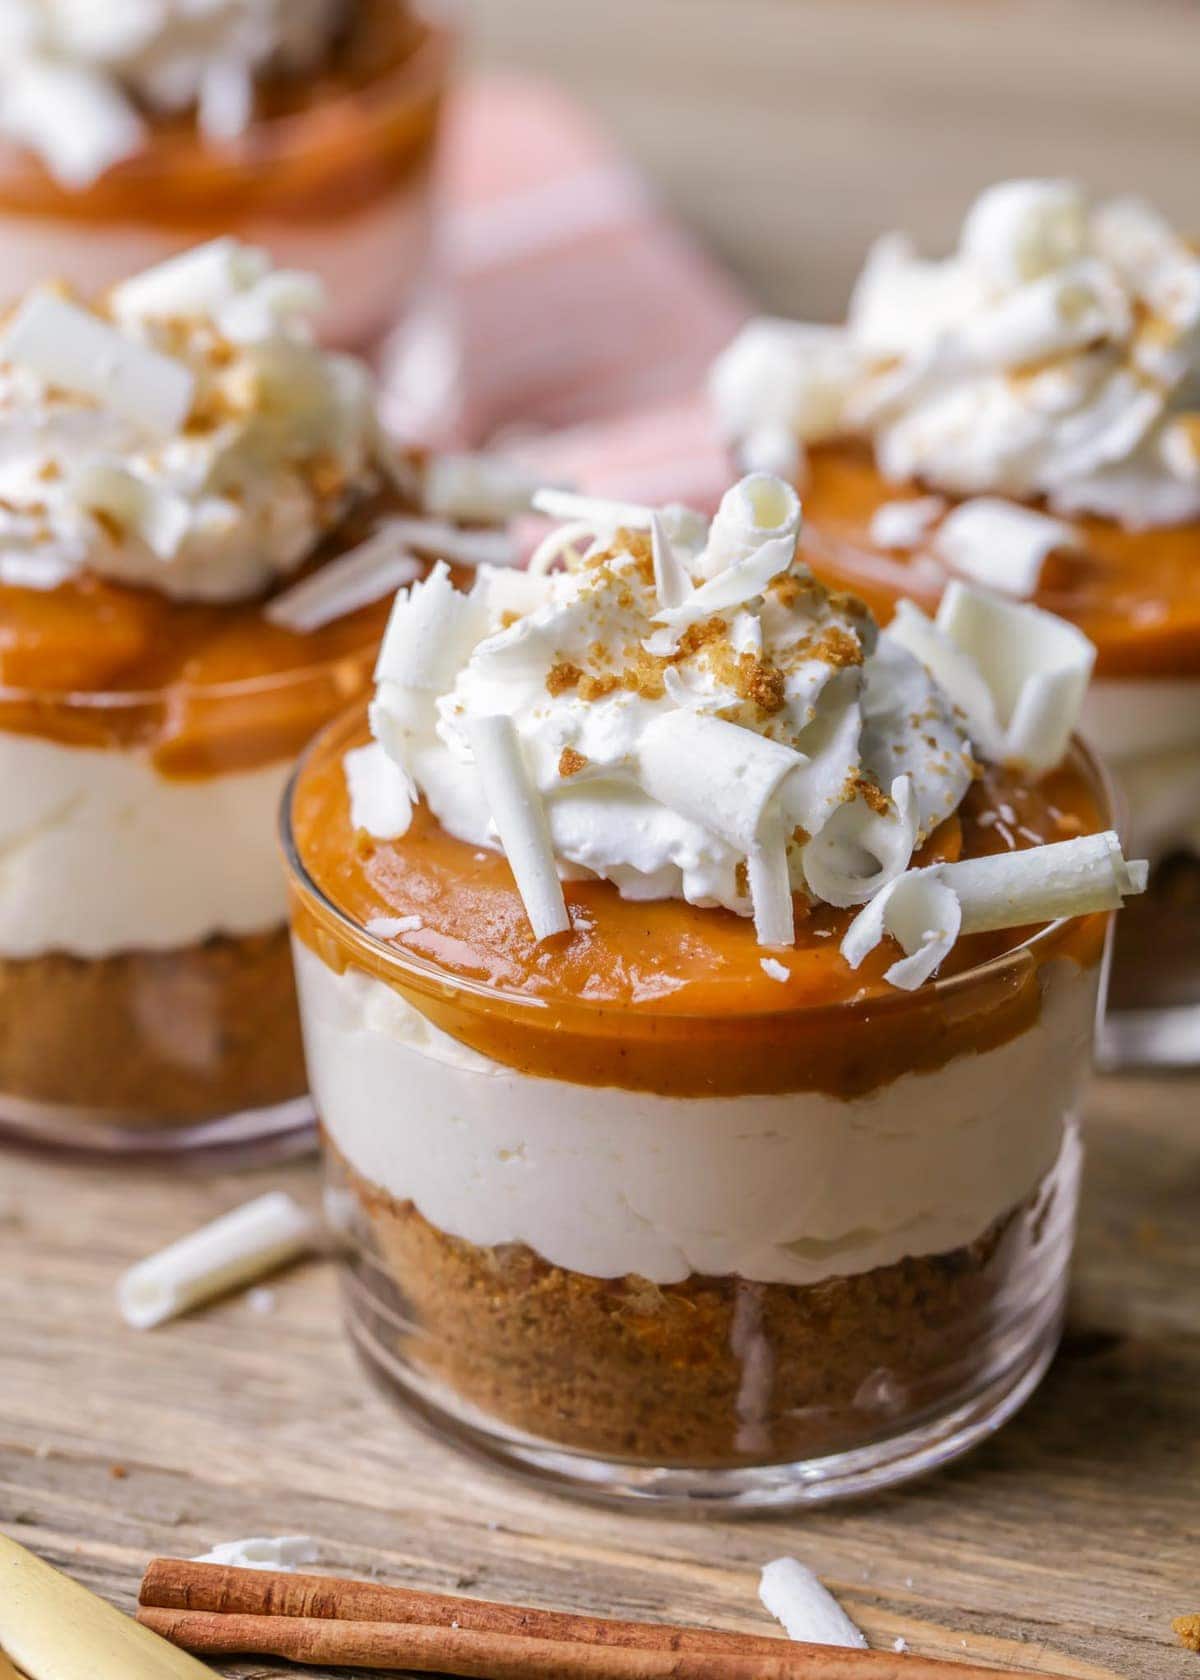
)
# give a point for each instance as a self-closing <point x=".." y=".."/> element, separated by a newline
<point x="147" y="1003"/>
<point x="1136" y="595"/>
<point x="748" y="1259"/>
<point x="333" y="175"/>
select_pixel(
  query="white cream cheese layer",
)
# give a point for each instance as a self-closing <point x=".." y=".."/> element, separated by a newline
<point x="370" y="263"/>
<point x="101" y="854"/>
<point x="779" y="1189"/>
<point x="1149" y="733"/>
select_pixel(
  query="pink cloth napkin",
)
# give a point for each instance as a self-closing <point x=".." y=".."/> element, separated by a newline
<point x="584" y="318"/>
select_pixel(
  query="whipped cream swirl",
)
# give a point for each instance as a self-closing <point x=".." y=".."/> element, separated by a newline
<point x="1055" y="355"/>
<point x="77" y="75"/>
<point x="685" y="711"/>
<point x="186" y="435"/>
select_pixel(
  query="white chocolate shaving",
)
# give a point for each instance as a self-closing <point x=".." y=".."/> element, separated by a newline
<point x="520" y="822"/>
<point x="774" y="970"/>
<point x="200" y="281"/>
<point x="566" y="542"/>
<point x="1066" y="878"/>
<point x="429" y="632"/>
<point x="859" y="850"/>
<point x="285" y="299"/>
<point x="71" y="116"/>
<point x="714" y="773"/>
<point x="159" y="517"/>
<point x="1000" y="544"/>
<point x="233" y="1251"/>
<point x="770" y="881"/>
<point x="921" y="913"/>
<point x="927" y="909"/>
<point x="808" y="1614"/>
<point x="381" y="793"/>
<point x="742" y="581"/>
<point x="487" y="488"/>
<point x="905" y="524"/>
<point x="287" y="1552"/>
<point x="758" y="510"/>
<point x="365" y="574"/>
<point x="670" y="579"/>
<point x="603" y="516"/>
<point x="954" y="671"/>
<point x="72" y="348"/>
<point x="1036" y="666"/>
<point x="450" y="542"/>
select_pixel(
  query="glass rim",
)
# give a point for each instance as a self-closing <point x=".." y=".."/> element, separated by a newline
<point x="236" y="688"/>
<point x="422" y="973"/>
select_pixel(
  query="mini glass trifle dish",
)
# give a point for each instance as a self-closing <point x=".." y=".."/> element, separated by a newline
<point x="131" y="132"/>
<point x="1025" y="414"/>
<point x="698" y="1068"/>
<point x="201" y="529"/>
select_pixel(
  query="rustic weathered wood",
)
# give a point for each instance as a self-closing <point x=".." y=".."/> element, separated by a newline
<point x="792" y="131"/>
<point x="1066" y="1544"/>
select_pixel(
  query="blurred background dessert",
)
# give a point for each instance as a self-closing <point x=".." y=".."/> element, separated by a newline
<point x="199" y="523"/>
<point x="128" y="132"/>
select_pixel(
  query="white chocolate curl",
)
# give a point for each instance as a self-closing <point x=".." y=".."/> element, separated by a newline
<point x="233" y="1251"/>
<point x="757" y="510"/>
<point x="520" y="823"/>
<point x="71" y="348"/>
<point x="1037" y="668"/>
<point x="808" y="1613"/>
<point x="926" y="909"/>
<point x="1000" y="544"/>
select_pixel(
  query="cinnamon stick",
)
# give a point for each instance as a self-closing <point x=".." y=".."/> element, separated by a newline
<point x="477" y="1655"/>
<point x="172" y="1583"/>
<point x="215" y="1610"/>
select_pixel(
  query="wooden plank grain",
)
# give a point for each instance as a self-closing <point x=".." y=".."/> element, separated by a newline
<point x="1068" y="1540"/>
<point x="790" y="132"/>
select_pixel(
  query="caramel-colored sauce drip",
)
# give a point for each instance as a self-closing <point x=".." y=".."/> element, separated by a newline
<point x="204" y="688"/>
<point x="663" y="996"/>
<point x="1136" y="594"/>
<point x="324" y="143"/>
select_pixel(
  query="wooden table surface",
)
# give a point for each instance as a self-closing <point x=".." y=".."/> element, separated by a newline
<point x="790" y="132"/>
<point x="787" y="131"/>
<point x="1068" y="1543"/>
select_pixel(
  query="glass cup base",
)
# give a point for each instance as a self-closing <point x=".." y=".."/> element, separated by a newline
<point x="251" y="1137"/>
<point x="936" y="1440"/>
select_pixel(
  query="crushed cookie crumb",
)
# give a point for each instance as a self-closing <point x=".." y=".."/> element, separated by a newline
<point x="838" y="647"/>
<point x="596" y="688"/>
<point x="697" y="636"/>
<point x="800" y="835"/>
<point x="570" y="762"/>
<point x="1187" y="1630"/>
<point x="741" y="878"/>
<point x="561" y="677"/>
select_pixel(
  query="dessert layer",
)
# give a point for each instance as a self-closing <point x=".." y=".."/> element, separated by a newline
<point x="714" y="1370"/>
<point x="204" y="688"/>
<point x="174" y="96"/>
<point x="103" y="854"/>
<point x="790" y="1188"/>
<point x="150" y="1038"/>
<point x="370" y="258"/>
<point x="1135" y="594"/>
